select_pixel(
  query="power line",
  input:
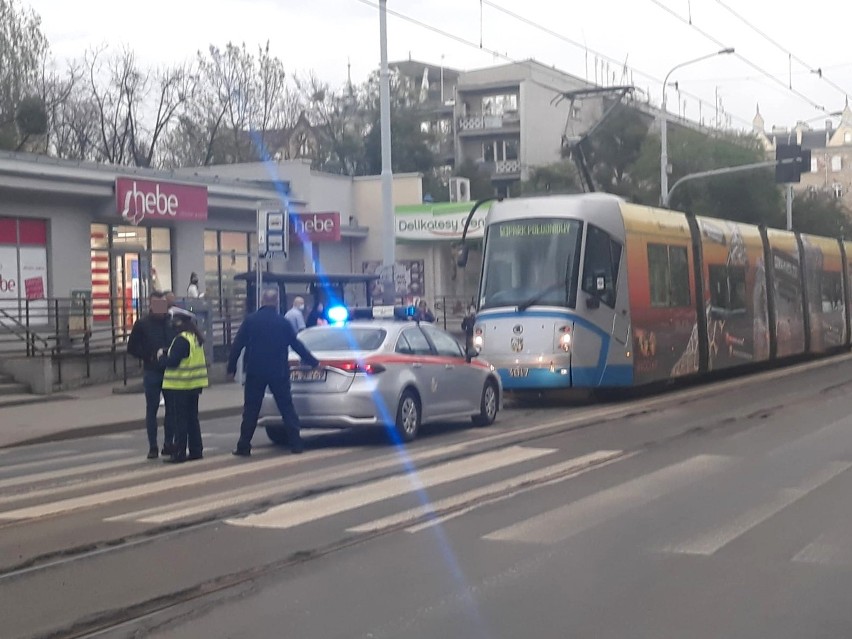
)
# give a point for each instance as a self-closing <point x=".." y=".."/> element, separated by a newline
<point x="754" y="66"/>
<point x="600" y="55"/>
<point x="475" y="45"/>
<point x="809" y="67"/>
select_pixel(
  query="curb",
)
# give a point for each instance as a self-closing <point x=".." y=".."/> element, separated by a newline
<point x="113" y="428"/>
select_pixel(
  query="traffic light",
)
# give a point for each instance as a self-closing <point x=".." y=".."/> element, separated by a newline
<point x="792" y="162"/>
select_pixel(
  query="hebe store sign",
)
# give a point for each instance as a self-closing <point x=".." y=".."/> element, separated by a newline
<point x="316" y="227"/>
<point x="138" y="200"/>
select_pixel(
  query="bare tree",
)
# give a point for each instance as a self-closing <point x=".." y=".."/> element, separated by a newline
<point x="23" y="47"/>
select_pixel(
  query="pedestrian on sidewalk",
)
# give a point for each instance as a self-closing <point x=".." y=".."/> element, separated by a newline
<point x="150" y="336"/>
<point x="183" y="381"/>
<point x="267" y="337"/>
<point x="296" y="315"/>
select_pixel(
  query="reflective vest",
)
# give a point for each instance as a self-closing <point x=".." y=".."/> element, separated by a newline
<point x="191" y="374"/>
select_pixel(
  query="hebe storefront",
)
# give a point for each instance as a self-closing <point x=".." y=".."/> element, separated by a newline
<point x="130" y="260"/>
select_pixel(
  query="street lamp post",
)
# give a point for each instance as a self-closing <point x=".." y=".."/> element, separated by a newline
<point x="664" y="155"/>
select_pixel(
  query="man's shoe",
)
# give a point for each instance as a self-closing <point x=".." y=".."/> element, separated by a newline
<point x="168" y="450"/>
<point x="152" y="453"/>
<point x="194" y="456"/>
<point x="174" y="459"/>
<point x="297" y="448"/>
<point x="241" y="452"/>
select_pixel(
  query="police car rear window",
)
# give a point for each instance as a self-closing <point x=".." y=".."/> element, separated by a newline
<point x="343" y="339"/>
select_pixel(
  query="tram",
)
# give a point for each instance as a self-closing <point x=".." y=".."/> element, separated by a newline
<point x="590" y="291"/>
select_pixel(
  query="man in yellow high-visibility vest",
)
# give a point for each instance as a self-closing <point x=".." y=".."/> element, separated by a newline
<point x="185" y="377"/>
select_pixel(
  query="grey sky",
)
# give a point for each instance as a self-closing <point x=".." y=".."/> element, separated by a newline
<point x="321" y="35"/>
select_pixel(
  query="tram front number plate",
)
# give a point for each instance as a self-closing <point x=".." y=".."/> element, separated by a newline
<point x="519" y="372"/>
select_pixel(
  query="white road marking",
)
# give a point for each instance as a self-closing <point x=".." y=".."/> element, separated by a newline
<point x="67" y="473"/>
<point x="294" y="483"/>
<point x="826" y="550"/>
<point x="592" y="460"/>
<point x="163" y="485"/>
<point x="63" y="457"/>
<point x="711" y="541"/>
<point x="300" y="512"/>
<point x="564" y="522"/>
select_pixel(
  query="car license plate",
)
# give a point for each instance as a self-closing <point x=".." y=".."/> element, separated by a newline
<point x="519" y="372"/>
<point x="313" y="375"/>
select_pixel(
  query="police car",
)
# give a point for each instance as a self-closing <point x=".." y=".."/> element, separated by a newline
<point x="382" y="369"/>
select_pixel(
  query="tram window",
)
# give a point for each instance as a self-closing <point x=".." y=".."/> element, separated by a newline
<point x="727" y="287"/>
<point x="668" y="275"/>
<point x="832" y="292"/>
<point x="602" y="258"/>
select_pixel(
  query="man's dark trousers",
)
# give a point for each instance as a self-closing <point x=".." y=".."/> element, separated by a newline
<point x="252" y="401"/>
<point x="152" y="381"/>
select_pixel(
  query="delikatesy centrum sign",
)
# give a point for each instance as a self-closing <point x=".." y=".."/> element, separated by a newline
<point x="137" y="200"/>
<point x="436" y="225"/>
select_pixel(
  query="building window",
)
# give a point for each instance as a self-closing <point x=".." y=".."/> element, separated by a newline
<point x="836" y="163"/>
<point x="499" y="104"/>
<point x="814" y="165"/>
<point x="668" y="275"/>
<point x="226" y="254"/>
<point x="847" y="137"/>
<point x="488" y="152"/>
<point x="499" y="150"/>
<point x="23" y="269"/>
<point x="838" y="190"/>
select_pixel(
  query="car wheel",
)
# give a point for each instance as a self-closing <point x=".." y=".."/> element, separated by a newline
<point x="487" y="405"/>
<point x="408" y="416"/>
<point x="277" y="435"/>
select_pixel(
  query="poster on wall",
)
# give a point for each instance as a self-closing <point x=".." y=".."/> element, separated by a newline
<point x="34" y="282"/>
<point x="409" y="277"/>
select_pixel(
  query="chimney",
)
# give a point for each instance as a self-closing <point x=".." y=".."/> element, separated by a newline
<point x="829" y="129"/>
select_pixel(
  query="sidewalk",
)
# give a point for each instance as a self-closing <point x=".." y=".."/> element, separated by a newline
<point x="96" y="410"/>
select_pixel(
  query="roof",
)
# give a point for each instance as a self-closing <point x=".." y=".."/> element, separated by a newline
<point x="308" y="278"/>
<point x="414" y="69"/>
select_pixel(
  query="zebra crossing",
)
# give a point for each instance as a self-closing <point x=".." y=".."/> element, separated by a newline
<point x="450" y="482"/>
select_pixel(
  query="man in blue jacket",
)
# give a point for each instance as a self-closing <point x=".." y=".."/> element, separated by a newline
<point x="267" y="337"/>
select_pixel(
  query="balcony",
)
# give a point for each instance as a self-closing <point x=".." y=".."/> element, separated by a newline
<point x="477" y="124"/>
<point x="507" y="168"/>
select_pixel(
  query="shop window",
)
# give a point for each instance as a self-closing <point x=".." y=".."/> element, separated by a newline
<point x="23" y="269"/>
<point x="237" y="242"/>
<point x="211" y="242"/>
<point x="601" y="260"/>
<point x="129" y="236"/>
<point x="668" y="275"/>
<point x="161" y="239"/>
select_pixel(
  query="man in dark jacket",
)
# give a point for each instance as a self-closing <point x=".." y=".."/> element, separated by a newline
<point x="150" y="336"/>
<point x="267" y="337"/>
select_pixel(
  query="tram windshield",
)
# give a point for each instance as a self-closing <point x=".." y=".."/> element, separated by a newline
<point x="531" y="261"/>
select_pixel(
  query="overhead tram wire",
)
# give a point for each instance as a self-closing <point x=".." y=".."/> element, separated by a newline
<point x="600" y="55"/>
<point x="809" y="67"/>
<point x="753" y="65"/>
<point x="471" y="43"/>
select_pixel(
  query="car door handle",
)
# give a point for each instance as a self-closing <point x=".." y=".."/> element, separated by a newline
<point x="417" y="365"/>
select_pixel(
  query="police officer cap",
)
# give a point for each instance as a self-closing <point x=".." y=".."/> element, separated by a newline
<point x="178" y="313"/>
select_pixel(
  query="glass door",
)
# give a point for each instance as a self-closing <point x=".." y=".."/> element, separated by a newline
<point x="130" y="275"/>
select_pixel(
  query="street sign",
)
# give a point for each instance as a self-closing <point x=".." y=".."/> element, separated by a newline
<point x="792" y="161"/>
<point x="272" y="230"/>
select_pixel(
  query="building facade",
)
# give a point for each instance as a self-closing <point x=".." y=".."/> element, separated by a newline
<point x="831" y="153"/>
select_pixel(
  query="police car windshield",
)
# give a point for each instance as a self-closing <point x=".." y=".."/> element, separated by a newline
<point x="342" y="338"/>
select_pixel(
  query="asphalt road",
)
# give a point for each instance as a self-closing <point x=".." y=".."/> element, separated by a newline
<point x="718" y="510"/>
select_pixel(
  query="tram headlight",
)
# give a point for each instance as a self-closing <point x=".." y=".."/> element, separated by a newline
<point x="478" y="338"/>
<point x="565" y="338"/>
